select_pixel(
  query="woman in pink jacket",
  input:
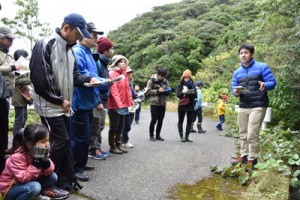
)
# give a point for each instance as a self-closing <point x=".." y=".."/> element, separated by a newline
<point x="118" y="102"/>
<point x="29" y="170"/>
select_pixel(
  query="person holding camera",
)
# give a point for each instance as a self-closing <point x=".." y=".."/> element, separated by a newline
<point x="29" y="171"/>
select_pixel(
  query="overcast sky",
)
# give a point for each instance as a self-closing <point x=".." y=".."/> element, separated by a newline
<point x="106" y="14"/>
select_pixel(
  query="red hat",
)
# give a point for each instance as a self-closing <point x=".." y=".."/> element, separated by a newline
<point x="104" y="44"/>
<point x="224" y="97"/>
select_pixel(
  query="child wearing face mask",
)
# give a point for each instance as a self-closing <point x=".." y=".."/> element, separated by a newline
<point x="29" y="171"/>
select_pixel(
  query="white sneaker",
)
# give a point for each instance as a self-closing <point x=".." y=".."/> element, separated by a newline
<point x="41" y="197"/>
<point x="128" y="145"/>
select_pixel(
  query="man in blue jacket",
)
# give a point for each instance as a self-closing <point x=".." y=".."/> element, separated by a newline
<point x="85" y="99"/>
<point x="250" y="83"/>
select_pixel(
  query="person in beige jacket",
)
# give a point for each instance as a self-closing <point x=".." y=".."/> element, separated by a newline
<point x="7" y="68"/>
<point x="158" y="89"/>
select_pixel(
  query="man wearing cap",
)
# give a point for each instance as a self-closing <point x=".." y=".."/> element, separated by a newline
<point x="7" y="85"/>
<point x="54" y="74"/>
<point x="105" y="53"/>
<point x="84" y="101"/>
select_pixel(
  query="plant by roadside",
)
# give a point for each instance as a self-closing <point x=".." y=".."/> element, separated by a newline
<point x="279" y="159"/>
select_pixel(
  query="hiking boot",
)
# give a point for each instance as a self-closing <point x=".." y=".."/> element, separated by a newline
<point x="160" y="138"/>
<point x="119" y="147"/>
<point x="55" y="193"/>
<point x="115" y="151"/>
<point x="252" y="162"/>
<point x="152" y="138"/>
<point x="97" y="155"/>
<point x="242" y="159"/>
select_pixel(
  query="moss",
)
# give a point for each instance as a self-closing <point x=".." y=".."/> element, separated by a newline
<point x="215" y="187"/>
<point x="269" y="185"/>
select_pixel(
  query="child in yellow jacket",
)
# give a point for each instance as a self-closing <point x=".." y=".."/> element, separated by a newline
<point x="221" y="111"/>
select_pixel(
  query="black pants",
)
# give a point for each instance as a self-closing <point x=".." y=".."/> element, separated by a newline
<point x="61" y="149"/>
<point x="198" y="113"/>
<point x="190" y="115"/>
<point x="157" y="115"/>
<point x="4" y="117"/>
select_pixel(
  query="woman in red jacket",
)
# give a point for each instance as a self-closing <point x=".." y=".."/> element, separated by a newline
<point x="118" y="102"/>
<point x="29" y="170"/>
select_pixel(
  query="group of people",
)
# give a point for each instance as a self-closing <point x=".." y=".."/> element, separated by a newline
<point x="73" y="91"/>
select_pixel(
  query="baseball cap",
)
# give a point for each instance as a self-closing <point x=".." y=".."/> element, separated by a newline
<point x="78" y="21"/>
<point x="6" y="32"/>
<point x="92" y="28"/>
<point x="199" y="83"/>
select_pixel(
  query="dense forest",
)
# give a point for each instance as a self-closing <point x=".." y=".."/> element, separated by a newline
<point x="204" y="36"/>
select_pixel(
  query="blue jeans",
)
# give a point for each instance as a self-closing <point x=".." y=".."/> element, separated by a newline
<point x="222" y="120"/>
<point x="127" y="127"/>
<point x="81" y="131"/>
<point x="29" y="190"/>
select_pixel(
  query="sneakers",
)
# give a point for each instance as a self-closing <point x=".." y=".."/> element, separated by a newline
<point x="152" y="138"/>
<point x="81" y="176"/>
<point x="128" y="145"/>
<point x="97" y="155"/>
<point x="242" y="160"/>
<point x="55" y="193"/>
<point x="41" y="197"/>
<point x="106" y="153"/>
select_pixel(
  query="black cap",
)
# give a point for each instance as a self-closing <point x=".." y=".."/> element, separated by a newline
<point x="92" y="28"/>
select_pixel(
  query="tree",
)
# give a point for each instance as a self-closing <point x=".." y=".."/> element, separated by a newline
<point x="26" y="23"/>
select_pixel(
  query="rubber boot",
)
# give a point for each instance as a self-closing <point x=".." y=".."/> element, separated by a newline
<point x="200" y="130"/>
<point x="192" y="129"/>
<point x="111" y="142"/>
<point x="187" y="133"/>
<point x="180" y="131"/>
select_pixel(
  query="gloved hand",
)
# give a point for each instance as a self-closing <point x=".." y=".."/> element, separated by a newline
<point x="38" y="152"/>
<point x="46" y="164"/>
<point x="37" y="163"/>
<point x="47" y="154"/>
<point x="40" y="163"/>
<point x="168" y="90"/>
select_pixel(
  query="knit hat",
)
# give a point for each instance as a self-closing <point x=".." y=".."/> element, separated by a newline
<point x="187" y="73"/>
<point x="224" y="97"/>
<point x="104" y="44"/>
<point x="5" y="31"/>
<point x="199" y="83"/>
<point x="128" y="70"/>
<point x="117" y="58"/>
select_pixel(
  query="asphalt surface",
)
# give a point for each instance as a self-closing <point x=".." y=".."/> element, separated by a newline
<point x="150" y="169"/>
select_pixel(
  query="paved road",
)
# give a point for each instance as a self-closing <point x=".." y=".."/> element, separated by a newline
<point x="150" y="169"/>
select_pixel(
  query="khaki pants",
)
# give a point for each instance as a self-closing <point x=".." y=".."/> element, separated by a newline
<point x="249" y="121"/>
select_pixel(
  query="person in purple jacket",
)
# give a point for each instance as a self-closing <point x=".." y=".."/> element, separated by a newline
<point x="251" y="82"/>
